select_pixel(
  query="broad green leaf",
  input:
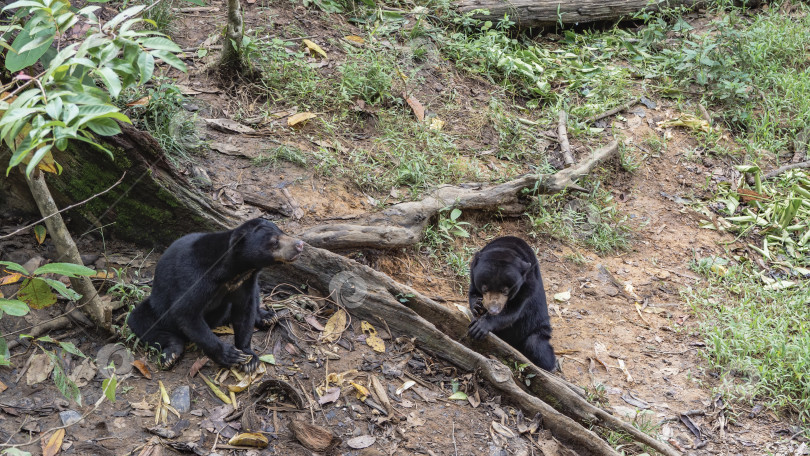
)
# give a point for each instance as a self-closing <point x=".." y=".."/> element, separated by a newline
<point x="65" y="269"/>
<point x="36" y="42"/>
<point x="146" y="66"/>
<point x="458" y="396"/>
<point x="170" y="58"/>
<point x="4" y="348"/>
<point x="122" y="16"/>
<point x="23" y="4"/>
<point x="54" y="108"/>
<point x="17" y="114"/>
<point x="70" y="348"/>
<point x="108" y="385"/>
<point x="19" y="60"/>
<point x="39" y="233"/>
<point x="268" y="358"/>
<point x="62" y="289"/>
<point x="38" y="156"/>
<point x="110" y="80"/>
<point x="160" y="43"/>
<point x="13" y="307"/>
<point x="14" y="267"/>
<point x="63" y="383"/>
<point x="36" y="293"/>
<point x="104" y="127"/>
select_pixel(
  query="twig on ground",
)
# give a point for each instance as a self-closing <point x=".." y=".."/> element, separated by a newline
<point x="782" y="169"/>
<point x="562" y="136"/>
<point x="615" y="110"/>
<point x="54" y="429"/>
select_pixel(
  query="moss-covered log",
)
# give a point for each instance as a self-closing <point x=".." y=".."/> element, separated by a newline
<point x="154" y="204"/>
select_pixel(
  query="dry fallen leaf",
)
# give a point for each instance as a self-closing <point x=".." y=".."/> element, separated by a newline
<point x="223" y="330"/>
<point x="197" y="366"/>
<point x="139" y="102"/>
<point x="436" y="123"/>
<point x="54" y="443"/>
<point x="503" y="430"/>
<point x="405" y="386"/>
<point x="355" y="39"/>
<point x="688" y="121"/>
<point x="314" y="48"/>
<point x="3" y="387"/>
<point x="416" y="106"/>
<point x="565" y="296"/>
<point x="142" y="368"/>
<point x="334" y="327"/>
<point x="298" y="118"/>
<point x="363" y="441"/>
<point x="249" y="439"/>
<point x="372" y="339"/>
<point x="362" y="391"/>
<point x="314" y="322"/>
<point x="39" y="368"/>
<point x="331" y="395"/>
<point x="9" y="279"/>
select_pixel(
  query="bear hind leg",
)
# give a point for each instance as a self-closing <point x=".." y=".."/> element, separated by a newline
<point x="538" y="349"/>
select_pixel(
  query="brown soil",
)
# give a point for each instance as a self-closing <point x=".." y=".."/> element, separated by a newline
<point x="594" y="332"/>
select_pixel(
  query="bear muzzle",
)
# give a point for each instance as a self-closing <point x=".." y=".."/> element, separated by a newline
<point x="289" y="249"/>
<point x="494" y="302"/>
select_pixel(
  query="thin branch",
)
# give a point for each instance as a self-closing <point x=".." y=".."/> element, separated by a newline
<point x="54" y="429"/>
<point x="562" y="136"/>
<point x="615" y="110"/>
<point x="782" y="169"/>
<point x="64" y="209"/>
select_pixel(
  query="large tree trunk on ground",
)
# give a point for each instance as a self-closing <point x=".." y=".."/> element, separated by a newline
<point x="404" y="224"/>
<point x="548" y="13"/>
<point x="154" y="205"/>
<point x="375" y="297"/>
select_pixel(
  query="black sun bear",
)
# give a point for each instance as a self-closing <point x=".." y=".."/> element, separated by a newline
<point x="506" y="286"/>
<point x="205" y="280"/>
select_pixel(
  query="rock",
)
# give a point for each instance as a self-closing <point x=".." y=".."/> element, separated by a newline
<point x="611" y="291"/>
<point x="181" y="399"/>
<point x="89" y="258"/>
<point x="32" y="264"/>
<point x="69" y="417"/>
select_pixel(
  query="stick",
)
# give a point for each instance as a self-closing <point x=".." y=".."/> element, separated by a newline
<point x="782" y="169"/>
<point x="562" y="136"/>
<point x="65" y="209"/>
<point x="196" y="9"/>
<point x="615" y="110"/>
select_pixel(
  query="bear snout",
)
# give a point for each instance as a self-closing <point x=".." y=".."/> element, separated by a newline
<point x="289" y="249"/>
<point x="494" y="302"/>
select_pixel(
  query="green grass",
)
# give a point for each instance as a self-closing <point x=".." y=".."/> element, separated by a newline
<point x="282" y="153"/>
<point x="758" y="338"/>
<point x="592" y="219"/>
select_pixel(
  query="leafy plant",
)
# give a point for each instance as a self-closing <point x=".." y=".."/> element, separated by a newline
<point x="62" y="102"/>
<point x="449" y="227"/>
<point x="37" y="291"/>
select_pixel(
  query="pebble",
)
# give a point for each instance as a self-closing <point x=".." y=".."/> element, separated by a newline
<point x="69" y="417"/>
<point x="181" y="399"/>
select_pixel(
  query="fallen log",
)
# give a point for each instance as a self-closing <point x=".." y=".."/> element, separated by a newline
<point x="549" y="13"/>
<point x="404" y="224"/>
<point x="371" y="295"/>
<point x="153" y="205"/>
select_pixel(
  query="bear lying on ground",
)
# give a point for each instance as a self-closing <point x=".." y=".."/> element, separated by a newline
<point x="205" y="280"/>
<point x="505" y="280"/>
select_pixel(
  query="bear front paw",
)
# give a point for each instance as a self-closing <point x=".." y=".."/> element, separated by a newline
<point x="478" y="329"/>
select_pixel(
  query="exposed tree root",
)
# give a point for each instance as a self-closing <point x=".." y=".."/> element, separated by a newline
<point x="403" y="224"/>
<point x="371" y="295"/>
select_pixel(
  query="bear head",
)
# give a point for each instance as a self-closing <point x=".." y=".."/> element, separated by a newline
<point x="258" y="243"/>
<point x="498" y="276"/>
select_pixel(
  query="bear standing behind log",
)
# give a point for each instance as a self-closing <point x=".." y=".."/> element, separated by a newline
<point x="506" y="286"/>
<point x="205" y="280"/>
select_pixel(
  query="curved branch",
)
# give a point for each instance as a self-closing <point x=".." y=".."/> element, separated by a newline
<point x="403" y="224"/>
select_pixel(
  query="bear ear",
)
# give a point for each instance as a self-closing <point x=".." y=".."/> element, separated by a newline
<point x="524" y="266"/>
